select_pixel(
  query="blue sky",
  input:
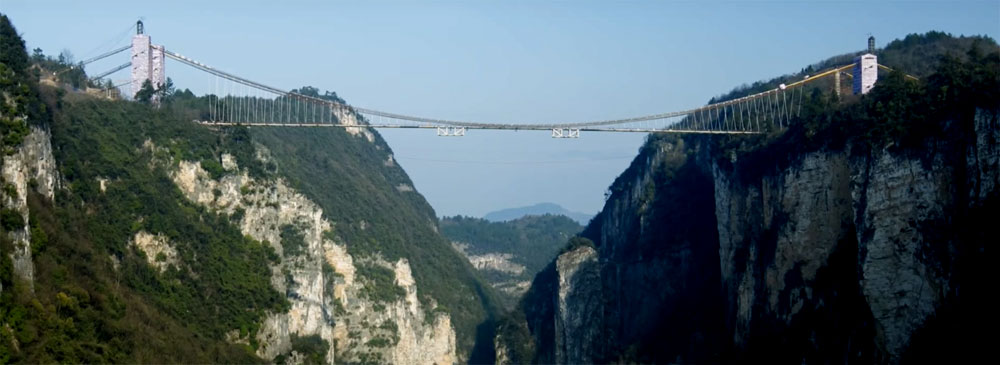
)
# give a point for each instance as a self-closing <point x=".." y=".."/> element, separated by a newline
<point x="499" y="61"/>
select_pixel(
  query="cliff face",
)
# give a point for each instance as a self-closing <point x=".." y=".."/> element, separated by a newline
<point x="320" y="278"/>
<point x="652" y="291"/>
<point x="341" y="305"/>
<point x="848" y="254"/>
<point x="578" y="322"/>
<point x="30" y="167"/>
<point x="786" y="246"/>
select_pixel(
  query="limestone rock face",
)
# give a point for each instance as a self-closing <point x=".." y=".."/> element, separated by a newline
<point x="491" y="261"/>
<point x="858" y="247"/>
<point x="502" y="352"/>
<point x="901" y="289"/>
<point x="654" y="271"/>
<point x="320" y="279"/>
<point x="347" y="116"/>
<point x="579" y="306"/>
<point x="32" y="166"/>
<point x="804" y="210"/>
<point x="160" y="253"/>
<point x="849" y="254"/>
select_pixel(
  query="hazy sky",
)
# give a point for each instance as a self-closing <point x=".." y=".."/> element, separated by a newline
<point x="498" y="61"/>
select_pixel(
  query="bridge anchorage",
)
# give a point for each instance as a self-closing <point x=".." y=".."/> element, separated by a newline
<point x="234" y="100"/>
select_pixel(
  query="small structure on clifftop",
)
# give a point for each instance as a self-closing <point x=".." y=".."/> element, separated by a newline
<point x="866" y="69"/>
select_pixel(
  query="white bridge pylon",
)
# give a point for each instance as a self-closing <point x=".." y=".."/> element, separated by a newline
<point x="239" y="101"/>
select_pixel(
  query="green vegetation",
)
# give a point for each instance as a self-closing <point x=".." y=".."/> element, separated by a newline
<point x="106" y="304"/>
<point x="145" y="93"/>
<point x="224" y="283"/>
<point x="900" y="114"/>
<point x="532" y="240"/>
<point x="380" y="283"/>
<point x="10" y="190"/>
<point x="512" y="330"/>
<point x="313" y="347"/>
<point x="347" y="177"/>
<point x="95" y="299"/>
<point x="17" y="95"/>
<point x="293" y="242"/>
<point x="213" y="167"/>
<point x="575" y="243"/>
<point x="11" y="220"/>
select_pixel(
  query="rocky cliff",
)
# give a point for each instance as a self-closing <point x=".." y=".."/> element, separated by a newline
<point x="319" y="277"/>
<point x="30" y="168"/>
<point x="656" y="236"/>
<point x="333" y="301"/>
<point x="855" y="236"/>
<point x="839" y="255"/>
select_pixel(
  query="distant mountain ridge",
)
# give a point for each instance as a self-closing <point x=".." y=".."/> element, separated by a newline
<point x="504" y="215"/>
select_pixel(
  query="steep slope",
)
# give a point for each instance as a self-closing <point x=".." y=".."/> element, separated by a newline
<point x="153" y="239"/>
<point x="856" y="235"/>
<point x="508" y="254"/>
<point x="377" y="214"/>
<point x="92" y="290"/>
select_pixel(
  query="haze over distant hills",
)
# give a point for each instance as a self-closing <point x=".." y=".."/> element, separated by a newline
<point x="537" y="209"/>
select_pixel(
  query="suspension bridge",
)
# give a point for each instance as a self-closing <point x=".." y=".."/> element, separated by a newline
<point x="235" y="100"/>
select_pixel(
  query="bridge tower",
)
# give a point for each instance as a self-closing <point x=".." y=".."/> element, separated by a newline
<point x="147" y="61"/>
<point x="866" y="69"/>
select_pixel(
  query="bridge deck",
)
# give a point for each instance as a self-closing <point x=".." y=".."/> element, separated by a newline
<point x="525" y="127"/>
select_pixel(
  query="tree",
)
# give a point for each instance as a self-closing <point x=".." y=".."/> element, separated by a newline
<point x="66" y="57"/>
<point x="145" y="94"/>
<point x="166" y="90"/>
<point x="12" y="51"/>
<point x="14" y="91"/>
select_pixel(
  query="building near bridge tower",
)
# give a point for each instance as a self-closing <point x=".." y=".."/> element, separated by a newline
<point x="147" y="61"/>
<point x="866" y="70"/>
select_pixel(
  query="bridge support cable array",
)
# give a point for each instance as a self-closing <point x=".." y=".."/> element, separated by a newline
<point x="238" y="101"/>
<point x="111" y="71"/>
<point x="99" y="57"/>
<point x="104" y="55"/>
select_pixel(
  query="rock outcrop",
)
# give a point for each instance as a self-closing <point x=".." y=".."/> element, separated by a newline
<point x="843" y="254"/>
<point x="32" y="166"/>
<point x="578" y="322"/>
<point x="159" y="251"/>
<point x="319" y="277"/>
<point x="495" y="261"/>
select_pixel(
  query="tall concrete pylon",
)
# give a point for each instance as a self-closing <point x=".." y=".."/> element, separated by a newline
<point x="866" y="69"/>
<point x="147" y="61"/>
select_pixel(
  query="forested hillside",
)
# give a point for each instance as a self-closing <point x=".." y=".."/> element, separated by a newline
<point x="130" y="234"/>
<point x="508" y="254"/>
